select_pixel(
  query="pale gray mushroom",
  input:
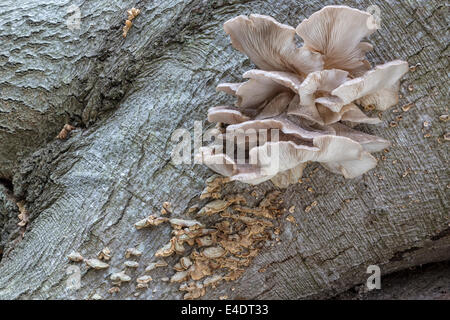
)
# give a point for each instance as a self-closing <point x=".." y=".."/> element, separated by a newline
<point x="228" y="115"/>
<point x="271" y="45"/>
<point x="287" y="177"/>
<point x="378" y="87"/>
<point x="300" y="98"/>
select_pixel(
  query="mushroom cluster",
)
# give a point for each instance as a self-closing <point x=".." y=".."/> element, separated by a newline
<point x="210" y="253"/>
<point x="302" y="103"/>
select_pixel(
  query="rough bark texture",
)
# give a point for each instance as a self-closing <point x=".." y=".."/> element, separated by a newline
<point x="127" y="96"/>
<point x="431" y="281"/>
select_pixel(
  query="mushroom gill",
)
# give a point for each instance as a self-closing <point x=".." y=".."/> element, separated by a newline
<point x="302" y="102"/>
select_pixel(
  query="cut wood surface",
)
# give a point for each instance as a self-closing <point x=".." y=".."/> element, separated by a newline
<point x="126" y="96"/>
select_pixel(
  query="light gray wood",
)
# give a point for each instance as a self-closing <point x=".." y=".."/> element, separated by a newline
<point x="127" y="96"/>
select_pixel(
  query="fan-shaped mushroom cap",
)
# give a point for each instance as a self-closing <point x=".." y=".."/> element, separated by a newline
<point x="350" y="113"/>
<point x="369" y="142"/>
<point x="223" y="164"/>
<point x="324" y="81"/>
<point x="229" y="88"/>
<point x="319" y="82"/>
<point x="378" y="86"/>
<point x="264" y="85"/>
<point x="352" y="168"/>
<point x="324" y="116"/>
<point x="281" y="123"/>
<point x="283" y="161"/>
<point x="275" y="157"/>
<point x="228" y="115"/>
<point x="336" y="32"/>
<point x="270" y="44"/>
<point x="220" y="162"/>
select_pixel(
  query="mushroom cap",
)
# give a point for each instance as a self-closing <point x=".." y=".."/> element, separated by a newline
<point x="225" y="114"/>
<point x="291" y="176"/>
<point x="291" y="111"/>
<point x="271" y="45"/>
<point x="352" y="168"/>
<point x="336" y="32"/>
<point x="262" y="86"/>
<point x="375" y="84"/>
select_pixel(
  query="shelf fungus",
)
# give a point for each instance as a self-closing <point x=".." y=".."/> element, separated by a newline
<point x="105" y="254"/>
<point x="75" y="257"/>
<point x="150" y="221"/>
<point x="132" y="252"/>
<point x="157" y="264"/>
<point x="120" y="277"/>
<point x="96" y="264"/>
<point x="302" y="103"/>
<point x="142" y="282"/>
<point x="65" y="131"/>
<point x="220" y="251"/>
<point x="131" y="264"/>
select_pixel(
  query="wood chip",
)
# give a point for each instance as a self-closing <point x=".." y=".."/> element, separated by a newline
<point x="291" y="219"/>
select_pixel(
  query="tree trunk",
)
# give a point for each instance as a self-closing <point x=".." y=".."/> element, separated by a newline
<point x="126" y="96"/>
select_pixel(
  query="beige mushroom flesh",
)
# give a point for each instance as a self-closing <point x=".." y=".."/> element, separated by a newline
<point x="302" y="102"/>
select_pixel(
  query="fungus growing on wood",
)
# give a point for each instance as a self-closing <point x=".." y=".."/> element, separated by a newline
<point x="75" y="257"/>
<point x="302" y="103"/>
<point x="222" y="251"/>
<point x="96" y="264"/>
<point x="105" y="254"/>
<point x="120" y="277"/>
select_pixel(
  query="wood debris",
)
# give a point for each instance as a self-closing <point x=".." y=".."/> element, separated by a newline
<point x="75" y="257"/>
<point x="132" y="252"/>
<point x="447" y="136"/>
<point x="214" y="185"/>
<point x="157" y="264"/>
<point x="131" y="264"/>
<point x="414" y="67"/>
<point x="114" y="290"/>
<point x="105" y="254"/>
<point x="132" y="13"/>
<point x="408" y="106"/>
<point x="291" y="219"/>
<point x="120" y="277"/>
<point x="166" y="208"/>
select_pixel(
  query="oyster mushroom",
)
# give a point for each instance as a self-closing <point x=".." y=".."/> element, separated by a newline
<point x="75" y="256"/>
<point x="336" y="32"/>
<point x="120" y="277"/>
<point x="96" y="264"/>
<point x="291" y="111"/>
<point x="378" y="87"/>
<point x="270" y="44"/>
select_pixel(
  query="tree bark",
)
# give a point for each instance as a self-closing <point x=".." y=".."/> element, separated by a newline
<point x="417" y="283"/>
<point x="126" y="96"/>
